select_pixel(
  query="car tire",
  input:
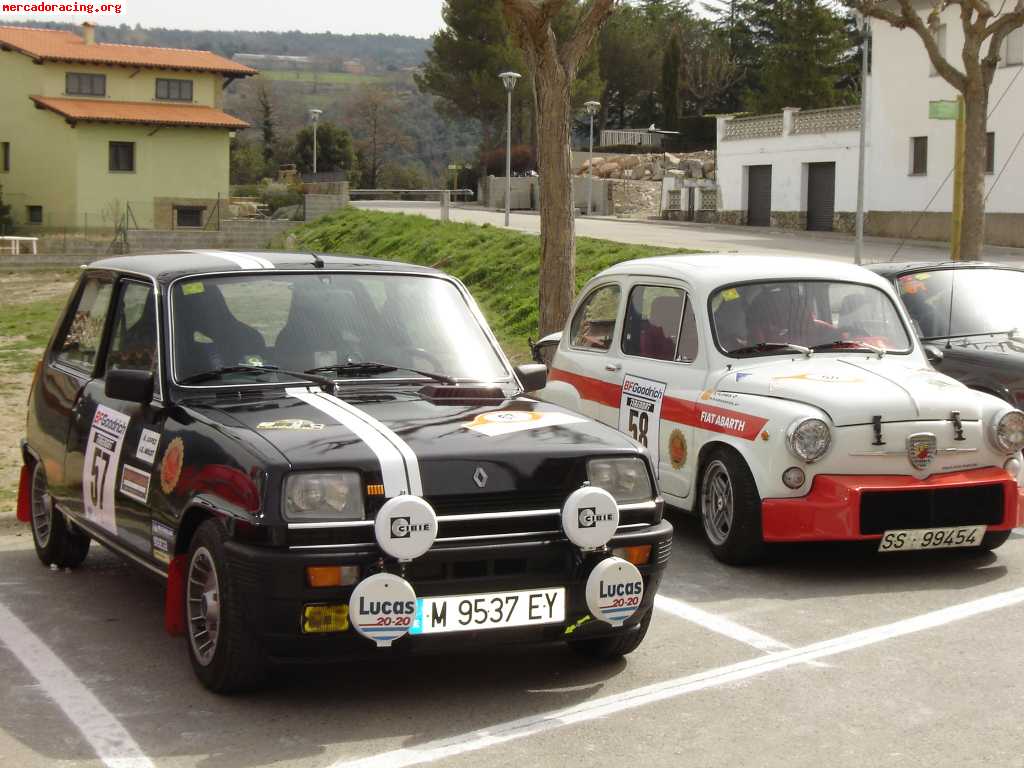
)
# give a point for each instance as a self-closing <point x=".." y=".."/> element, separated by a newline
<point x="58" y="542"/>
<point x="730" y="509"/>
<point x="994" y="540"/>
<point x="615" y="646"/>
<point x="214" y="614"/>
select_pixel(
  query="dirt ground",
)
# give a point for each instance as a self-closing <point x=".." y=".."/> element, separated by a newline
<point x="29" y="302"/>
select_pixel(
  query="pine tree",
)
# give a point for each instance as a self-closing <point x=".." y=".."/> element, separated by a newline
<point x="671" y="60"/>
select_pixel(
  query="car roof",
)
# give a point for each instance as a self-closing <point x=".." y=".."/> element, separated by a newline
<point x="713" y="270"/>
<point x="165" y="267"/>
<point x="887" y="269"/>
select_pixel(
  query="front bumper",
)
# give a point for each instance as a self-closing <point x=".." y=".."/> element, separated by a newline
<point x="272" y="586"/>
<point x="862" y="507"/>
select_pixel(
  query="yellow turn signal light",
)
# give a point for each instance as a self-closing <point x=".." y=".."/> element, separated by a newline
<point x="640" y="555"/>
<point x="324" y="618"/>
<point x="331" y="575"/>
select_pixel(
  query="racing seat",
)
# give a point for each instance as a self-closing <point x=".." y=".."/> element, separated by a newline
<point x="658" y="337"/>
<point x="207" y="314"/>
<point x="314" y="332"/>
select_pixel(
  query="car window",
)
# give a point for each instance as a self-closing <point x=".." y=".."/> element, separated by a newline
<point x="133" y="339"/>
<point x="689" y="344"/>
<point x="984" y="301"/>
<point x="653" y="317"/>
<point x="762" y="317"/>
<point x="301" y="322"/>
<point x="594" y="323"/>
<point x="83" y="334"/>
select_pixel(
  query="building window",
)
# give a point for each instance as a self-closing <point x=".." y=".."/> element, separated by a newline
<point x="122" y="156"/>
<point x="35" y="214"/>
<point x="1012" y="52"/>
<point x="188" y="216"/>
<point x="919" y="156"/>
<point x="5" y="156"/>
<point x="990" y="152"/>
<point x="174" y="90"/>
<point x="940" y="40"/>
<point x="78" y="84"/>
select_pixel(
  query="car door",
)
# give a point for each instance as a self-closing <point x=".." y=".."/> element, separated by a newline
<point x="585" y="364"/>
<point x="663" y="377"/>
<point x="118" y="449"/>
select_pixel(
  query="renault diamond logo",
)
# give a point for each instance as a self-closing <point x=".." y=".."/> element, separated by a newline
<point x="921" y="449"/>
<point x="480" y="477"/>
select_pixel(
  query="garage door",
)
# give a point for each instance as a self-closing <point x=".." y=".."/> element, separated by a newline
<point x="821" y="196"/>
<point x="759" y="195"/>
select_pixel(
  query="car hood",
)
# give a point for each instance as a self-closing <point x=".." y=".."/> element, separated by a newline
<point x="521" y="444"/>
<point x="854" y="391"/>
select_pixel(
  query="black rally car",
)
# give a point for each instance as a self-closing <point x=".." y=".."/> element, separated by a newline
<point x="970" y="317"/>
<point x="323" y="456"/>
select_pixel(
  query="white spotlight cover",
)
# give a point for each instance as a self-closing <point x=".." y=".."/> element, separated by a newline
<point x="590" y="517"/>
<point x="406" y="527"/>
<point x="615" y="590"/>
<point x="382" y="608"/>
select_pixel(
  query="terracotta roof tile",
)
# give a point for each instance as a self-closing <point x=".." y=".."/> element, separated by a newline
<point x="57" y="45"/>
<point x="143" y="113"/>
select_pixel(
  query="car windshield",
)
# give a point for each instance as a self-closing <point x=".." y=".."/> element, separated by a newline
<point x="238" y="329"/>
<point x="802" y="315"/>
<point x="984" y="301"/>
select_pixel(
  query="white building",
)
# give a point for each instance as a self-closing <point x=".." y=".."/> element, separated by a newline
<point x="799" y="168"/>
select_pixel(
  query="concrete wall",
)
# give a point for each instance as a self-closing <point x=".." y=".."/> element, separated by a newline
<point x="233" y="235"/>
<point x="321" y="205"/>
<point x="526" y="193"/>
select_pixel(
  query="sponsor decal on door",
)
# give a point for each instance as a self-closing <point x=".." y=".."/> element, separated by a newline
<point x="148" y="442"/>
<point x="640" y="412"/>
<point x="135" y="483"/>
<point x="99" y="472"/>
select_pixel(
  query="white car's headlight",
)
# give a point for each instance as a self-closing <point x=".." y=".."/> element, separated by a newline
<point x="624" y="478"/>
<point x="313" y="497"/>
<point x="809" y="439"/>
<point x="1008" y="431"/>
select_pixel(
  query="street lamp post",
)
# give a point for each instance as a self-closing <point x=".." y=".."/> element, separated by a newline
<point x="509" y="79"/>
<point x="314" y="117"/>
<point x="592" y="108"/>
<point x="865" y="26"/>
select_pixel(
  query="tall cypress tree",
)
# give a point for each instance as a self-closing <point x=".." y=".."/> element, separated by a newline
<point x="671" y="60"/>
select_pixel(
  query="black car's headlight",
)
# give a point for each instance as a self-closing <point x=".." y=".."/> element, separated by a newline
<point x="313" y="497"/>
<point x="624" y="478"/>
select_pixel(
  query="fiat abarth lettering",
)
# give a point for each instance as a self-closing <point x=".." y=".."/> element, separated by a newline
<point x="323" y="456"/>
<point x="787" y="399"/>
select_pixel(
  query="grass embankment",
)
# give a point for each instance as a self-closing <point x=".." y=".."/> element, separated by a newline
<point x="499" y="267"/>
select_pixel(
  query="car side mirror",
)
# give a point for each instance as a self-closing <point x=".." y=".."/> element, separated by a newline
<point x="131" y="386"/>
<point x="544" y="349"/>
<point x="933" y="353"/>
<point x="533" y="376"/>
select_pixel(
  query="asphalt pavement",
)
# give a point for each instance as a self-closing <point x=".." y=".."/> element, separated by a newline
<point x="707" y="237"/>
<point x="825" y="656"/>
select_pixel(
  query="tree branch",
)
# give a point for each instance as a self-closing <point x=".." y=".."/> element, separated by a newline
<point x="908" y="18"/>
<point x="593" y="19"/>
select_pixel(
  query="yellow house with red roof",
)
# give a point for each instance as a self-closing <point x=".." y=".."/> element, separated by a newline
<point x="89" y="130"/>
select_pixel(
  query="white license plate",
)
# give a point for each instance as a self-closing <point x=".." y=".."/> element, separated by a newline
<point x="932" y="538"/>
<point x="492" y="610"/>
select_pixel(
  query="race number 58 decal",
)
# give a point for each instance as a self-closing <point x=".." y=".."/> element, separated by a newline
<point x="99" y="472"/>
<point x="640" y="412"/>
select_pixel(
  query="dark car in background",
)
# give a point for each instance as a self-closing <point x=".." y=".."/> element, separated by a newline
<point x="327" y="456"/>
<point x="970" y="317"/>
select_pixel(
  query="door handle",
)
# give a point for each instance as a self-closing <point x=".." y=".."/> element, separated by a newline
<point x="612" y="367"/>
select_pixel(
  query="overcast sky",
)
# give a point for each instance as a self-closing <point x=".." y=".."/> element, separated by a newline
<point x="420" y="18"/>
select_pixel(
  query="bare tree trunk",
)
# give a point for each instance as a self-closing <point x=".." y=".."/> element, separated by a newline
<point x="558" y="233"/>
<point x="972" y="234"/>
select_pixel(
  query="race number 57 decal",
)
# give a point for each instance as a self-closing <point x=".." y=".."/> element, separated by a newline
<point x="99" y="472"/>
<point x="640" y="412"/>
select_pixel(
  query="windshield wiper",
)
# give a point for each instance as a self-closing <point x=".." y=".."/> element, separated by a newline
<point x="217" y="373"/>
<point x="769" y="346"/>
<point x="373" y="367"/>
<point x="880" y="351"/>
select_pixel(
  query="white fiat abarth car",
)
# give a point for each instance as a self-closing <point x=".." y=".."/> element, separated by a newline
<point x="789" y="400"/>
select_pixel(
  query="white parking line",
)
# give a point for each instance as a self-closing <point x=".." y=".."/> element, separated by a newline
<point x="112" y="743"/>
<point x="608" y="705"/>
<point x="719" y="624"/>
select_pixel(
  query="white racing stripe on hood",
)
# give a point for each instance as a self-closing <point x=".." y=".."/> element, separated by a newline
<point x="243" y="261"/>
<point x="398" y="464"/>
